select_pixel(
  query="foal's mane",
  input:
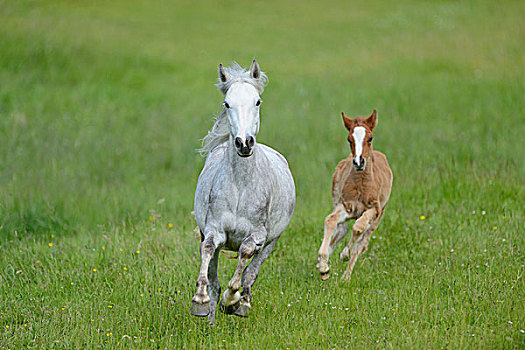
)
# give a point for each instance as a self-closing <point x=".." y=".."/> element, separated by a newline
<point x="220" y="131"/>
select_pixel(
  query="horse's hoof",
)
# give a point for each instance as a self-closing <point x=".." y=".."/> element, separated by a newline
<point x="230" y="309"/>
<point x="325" y="275"/>
<point x="200" y="310"/>
<point x="242" y="311"/>
<point x="345" y="255"/>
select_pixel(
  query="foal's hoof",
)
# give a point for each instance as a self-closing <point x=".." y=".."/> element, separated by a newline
<point x="325" y="275"/>
<point x="200" y="310"/>
<point x="242" y="311"/>
<point x="230" y="309"/>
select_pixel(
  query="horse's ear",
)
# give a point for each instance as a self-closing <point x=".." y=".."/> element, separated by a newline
<point x="223" y="75"/>
<point x="255" y="70"/>
<point x="348" y="122"/>
<point x="372" y="120"/>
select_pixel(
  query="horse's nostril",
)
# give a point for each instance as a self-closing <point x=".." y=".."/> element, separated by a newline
<point x="238" y="142"/>
<point x="354" y="161"/>
<point x="250" y="141"/>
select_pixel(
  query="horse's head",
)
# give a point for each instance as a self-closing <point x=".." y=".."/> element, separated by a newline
<point x="242" y="101"/>
<point x="360" y="138"/>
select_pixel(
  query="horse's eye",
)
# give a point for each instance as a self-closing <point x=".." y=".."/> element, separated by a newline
<point x="226" y="104"/>
<point x="370" y="139"/>
<point x="350" y="141"/>
<point x="258" y="102"/>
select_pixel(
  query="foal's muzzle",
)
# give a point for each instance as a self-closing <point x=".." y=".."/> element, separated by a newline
<point x="359" y="164"/>
<point x="244" y="147"/>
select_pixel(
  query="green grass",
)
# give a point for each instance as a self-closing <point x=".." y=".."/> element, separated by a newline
<point x="102" y="105"/>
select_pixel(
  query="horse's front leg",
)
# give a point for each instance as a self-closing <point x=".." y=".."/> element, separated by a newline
<point x="201" y="300"/>
<point x="251" y="245"/>
<point x="250" y="275"/>
<point x="338" y="216"/>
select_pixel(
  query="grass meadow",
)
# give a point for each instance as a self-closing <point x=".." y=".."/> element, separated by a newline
<point x="103" y="104"/>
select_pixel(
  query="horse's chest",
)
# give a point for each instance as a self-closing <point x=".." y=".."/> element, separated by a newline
<point x="241" y="209"/>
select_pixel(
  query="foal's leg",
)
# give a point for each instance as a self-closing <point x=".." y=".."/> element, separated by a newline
<point x="340" y="233"/>
<point x="367" y="221"/>
<point x="231" y="297"/>
<point x="250" y="275"/>
<point x="201" y="300"/>
<point x="338" y="216"/>
<point x="359" y="245"/>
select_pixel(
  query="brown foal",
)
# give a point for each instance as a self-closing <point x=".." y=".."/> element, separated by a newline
<point x="360" y="190"/>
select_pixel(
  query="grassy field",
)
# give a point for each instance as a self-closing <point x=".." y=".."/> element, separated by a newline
<point x="102" y="105"/>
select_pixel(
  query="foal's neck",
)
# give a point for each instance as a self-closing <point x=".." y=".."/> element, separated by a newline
<point x="366" y="175"/>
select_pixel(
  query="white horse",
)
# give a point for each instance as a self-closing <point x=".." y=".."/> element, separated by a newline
<point x="245" y="194"/>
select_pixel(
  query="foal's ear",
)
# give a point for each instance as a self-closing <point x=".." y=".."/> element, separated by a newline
<point x="348" y="122"/>
<point x="223" y="75"/>
<point x="372" y="120"/>
<point x="255" y="70"/>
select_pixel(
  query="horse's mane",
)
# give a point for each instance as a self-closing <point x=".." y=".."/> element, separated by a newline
<point x="220" y="131"/>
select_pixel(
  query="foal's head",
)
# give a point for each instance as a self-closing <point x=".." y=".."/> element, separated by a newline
<point x="242" y="100"/>
<point x="360" y="138"/>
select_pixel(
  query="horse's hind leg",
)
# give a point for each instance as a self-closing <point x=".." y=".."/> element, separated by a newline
<point x="249" y="276"/>
<point x="214" y="287"/>
<point x="201" y="299"/>
<point x="231" y="297"/>
<point x="338" y="216"/>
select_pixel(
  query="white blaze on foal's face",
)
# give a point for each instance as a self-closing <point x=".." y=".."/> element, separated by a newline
<point x="359" y="138"/>
<point x="359" y="135"/>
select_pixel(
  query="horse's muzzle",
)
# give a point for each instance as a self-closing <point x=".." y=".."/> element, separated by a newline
<point x="244" y="147"/>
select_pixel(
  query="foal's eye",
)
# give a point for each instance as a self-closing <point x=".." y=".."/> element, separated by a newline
<point x="226" y="104"/>
<point x="258" y="102"/>
<point x="370" y="139"/>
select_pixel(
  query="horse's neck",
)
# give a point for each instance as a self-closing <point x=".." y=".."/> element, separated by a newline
<point x="242" y="168"/>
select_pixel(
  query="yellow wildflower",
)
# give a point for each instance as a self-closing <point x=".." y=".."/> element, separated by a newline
<point x="94" y="270"/>
<point x="422" y="217"/>
<point x="50" y="244"/>
<point x="170" y="225"/>
<point x="138" y="251"/>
